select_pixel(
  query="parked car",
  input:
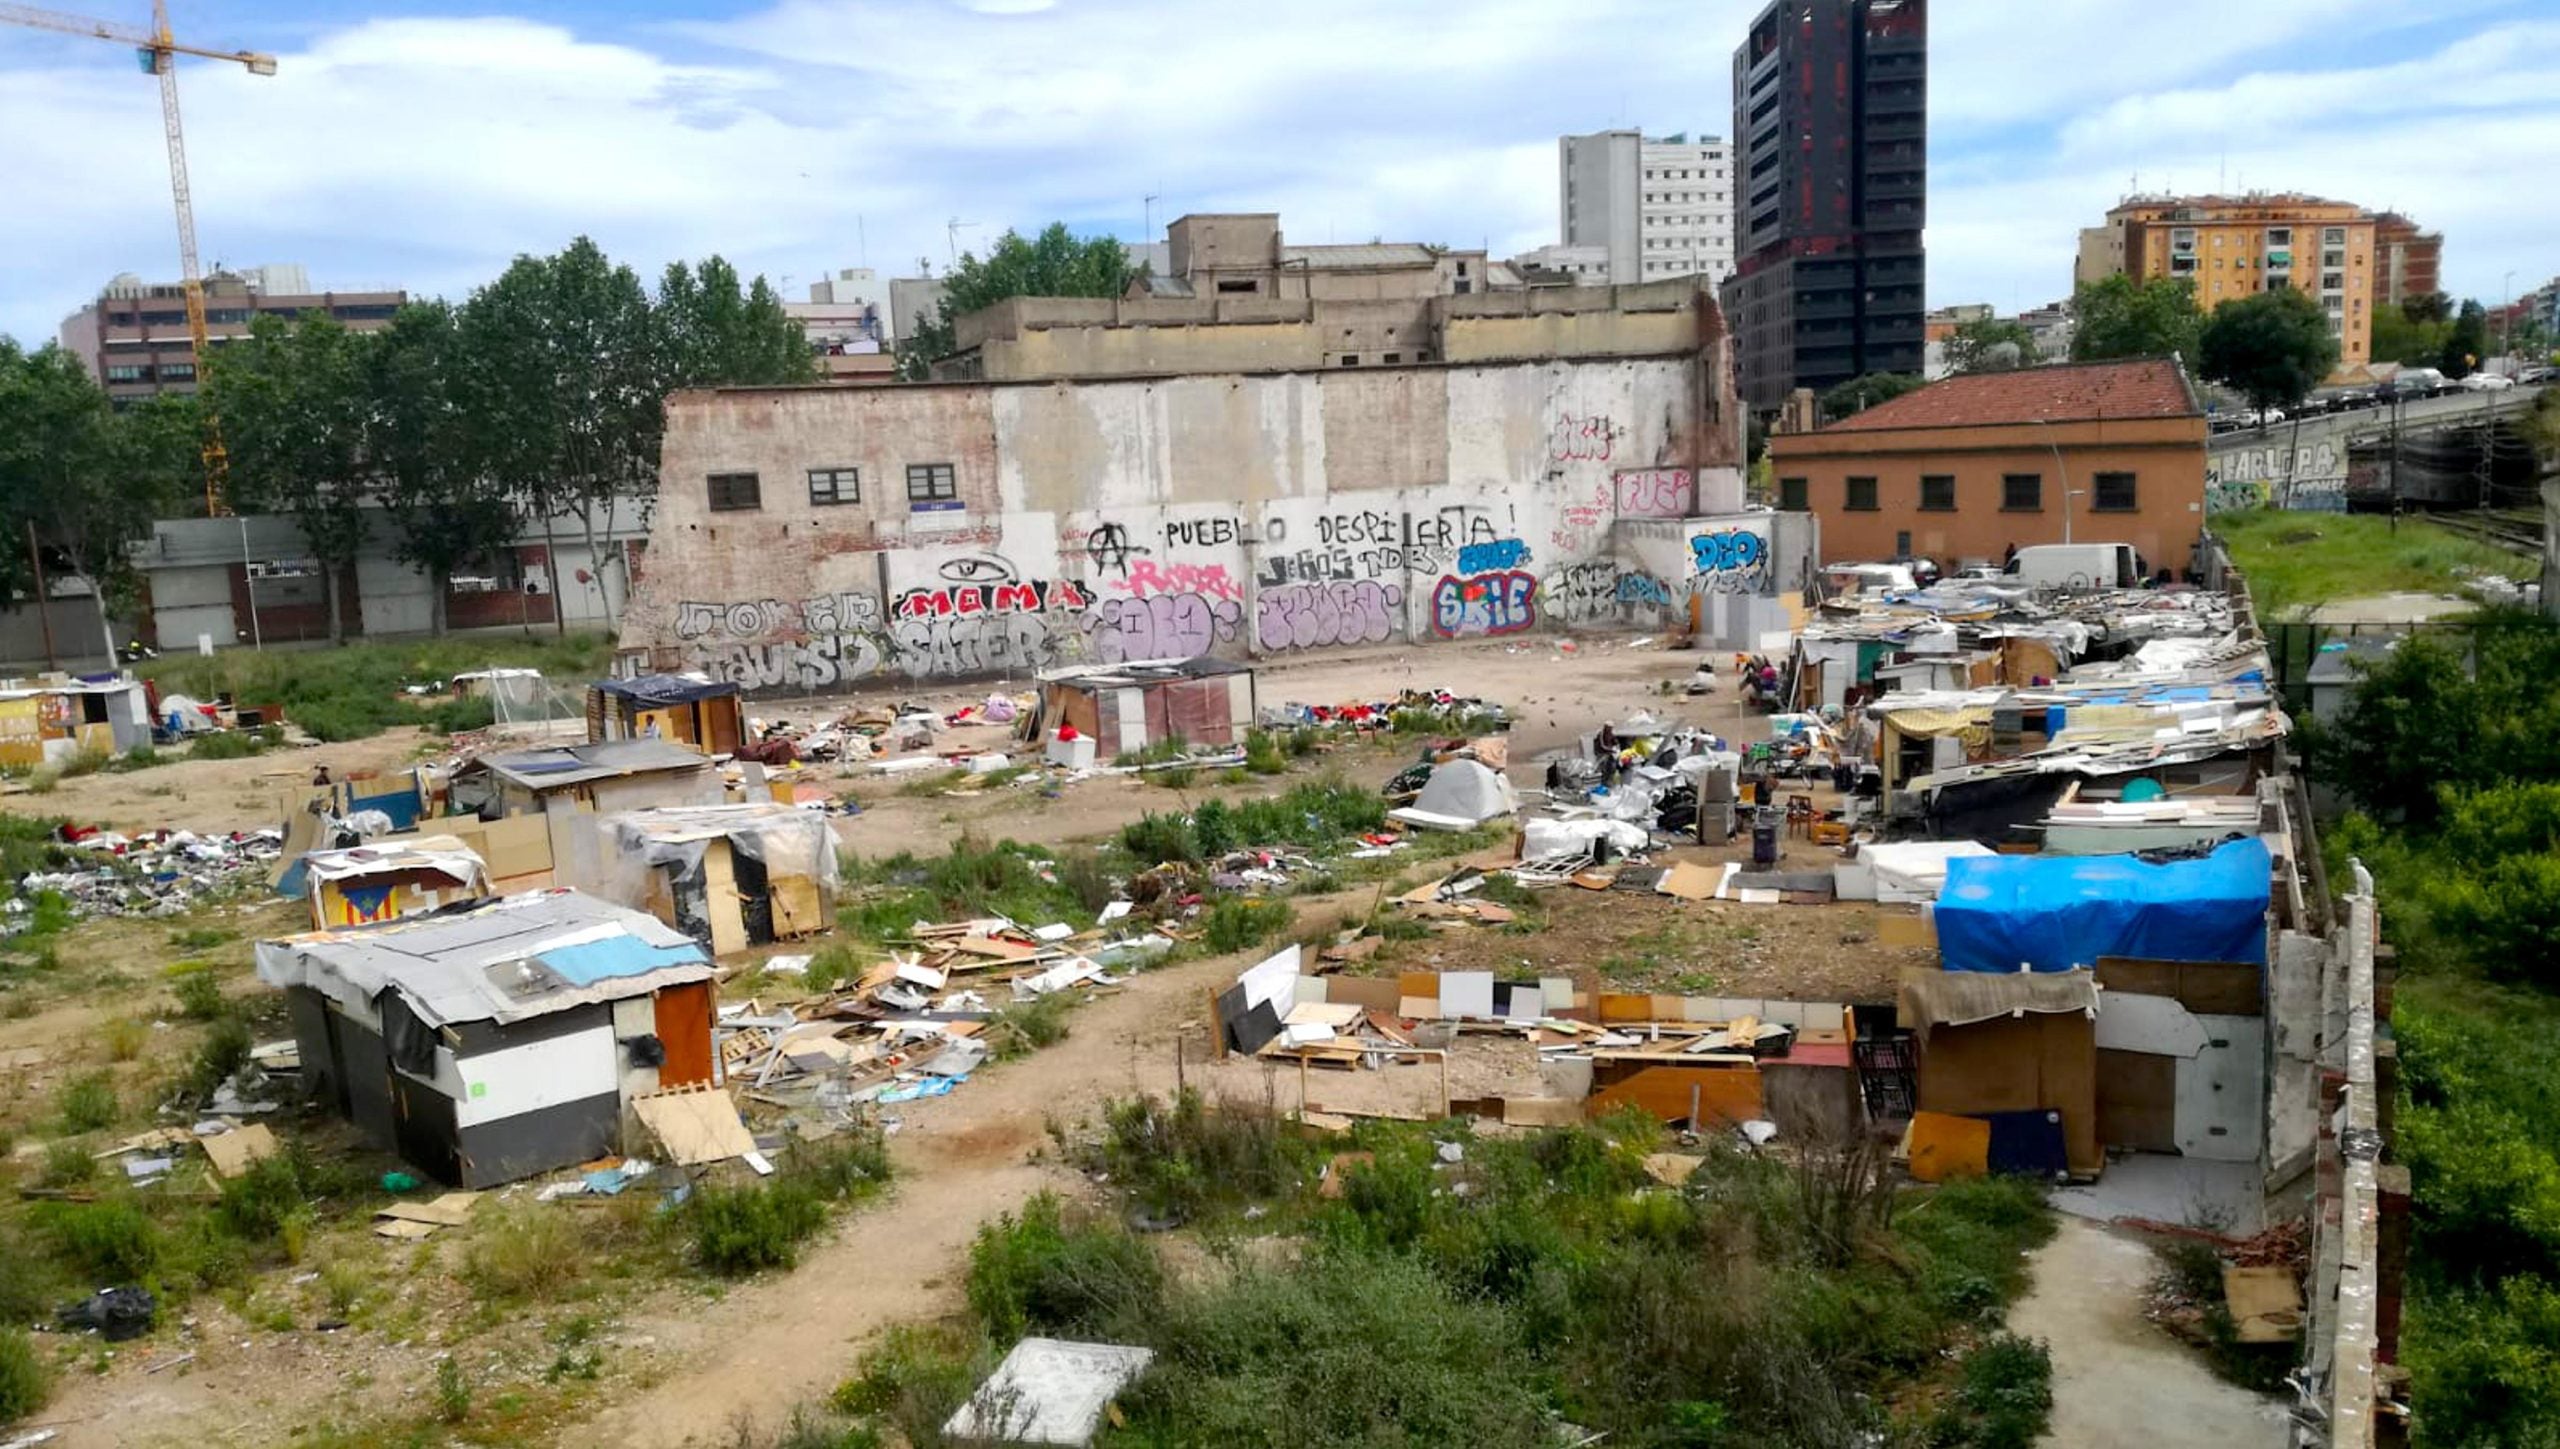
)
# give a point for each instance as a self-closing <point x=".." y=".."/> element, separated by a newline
<point x="1981" y="573"/>
<point x="2534" y="376"/>
<point x="2487" y="382"/>
<point x="2266" y="419"/>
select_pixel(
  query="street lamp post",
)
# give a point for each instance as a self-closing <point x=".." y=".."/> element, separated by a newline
<point x="2507" y="323"/>
<point x="2060" y="472"/>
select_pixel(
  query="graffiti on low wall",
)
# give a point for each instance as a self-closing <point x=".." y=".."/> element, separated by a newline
<point x="1485" y="604"/>
<point x="1729" y="561"/>
<point x="2311" y="478"/>
<point x="1315" y="616"/>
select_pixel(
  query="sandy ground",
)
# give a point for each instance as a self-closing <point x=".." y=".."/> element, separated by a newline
<point x="2119" y="1382"/>
<point x="687" y="1369"/>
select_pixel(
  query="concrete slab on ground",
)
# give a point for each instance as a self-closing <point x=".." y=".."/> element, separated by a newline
<point x="2120" y="1381"/>
<point x="2224" y="1196"/>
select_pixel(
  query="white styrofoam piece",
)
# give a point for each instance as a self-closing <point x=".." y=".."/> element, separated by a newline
<point x="1048" y="1391"/>
<point x="1269" y="982"/>
<point x="2223" y="1087"/>
<point x="2160" y="1025"/>
<point x="1466" y="994"/>
<point x="1557" y="992"/>
<point x="512" y="1080"/>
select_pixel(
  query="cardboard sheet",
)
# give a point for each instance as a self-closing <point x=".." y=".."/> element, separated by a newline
<point x="231" y="1152"/>
<point x="695" y="1127"/>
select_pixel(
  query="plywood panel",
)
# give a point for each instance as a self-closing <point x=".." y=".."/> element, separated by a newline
<point x="1723" y="1094"/>
<point x="2222" y="1091"/>
<point x="2137" y="1101"/>
<point x="2013" y="1064"/>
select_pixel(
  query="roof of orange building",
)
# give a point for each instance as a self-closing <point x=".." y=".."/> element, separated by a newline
<point x="2150" y="387"/>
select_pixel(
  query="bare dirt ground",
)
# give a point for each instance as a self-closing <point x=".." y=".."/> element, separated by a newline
<point x="684" y="1368"/>
<point x="2119" y="1382"/>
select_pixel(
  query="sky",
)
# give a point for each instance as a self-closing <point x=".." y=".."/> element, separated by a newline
<point x="423" y="145"/>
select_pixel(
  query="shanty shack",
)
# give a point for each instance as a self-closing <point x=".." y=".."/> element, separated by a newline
<point x="54" y="719"/>
<point x="385" y="880"/>
<point x="604" y="776"/>
<point x="489" y="1042"/>
<point x="688" y="709"/>
<point x="729" y="876"/>
<point x="1126" y="707"/>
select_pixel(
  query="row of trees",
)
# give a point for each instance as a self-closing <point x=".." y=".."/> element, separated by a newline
<point x="540" y="397"/>
<point x="79" y="480"/>
<point x="2272" y="347"/>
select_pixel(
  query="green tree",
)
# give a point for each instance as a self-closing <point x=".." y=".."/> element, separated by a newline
<point x="2429" y="307"/>
<point x="426" y="452"/>
<point x="82" y="479"/>
<point x="1861" y="393"/>
<point x="568" y="383"/>
<point x="2399" y="336"/>
<point x="2467" y="343"/>
<point x="1991" y="344"/>
<point x="718" y="333"/>
<point x="1052" y="264"/>
<point x="2120" y="317"/>
<point x="294" y="407"/>
<point x="2272" y="347"/>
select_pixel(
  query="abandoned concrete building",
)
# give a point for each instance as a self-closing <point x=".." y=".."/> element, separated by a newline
<point x="1116" y="490"/>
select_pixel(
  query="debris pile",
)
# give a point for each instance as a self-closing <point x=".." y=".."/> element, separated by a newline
<point x="153" y="873"/>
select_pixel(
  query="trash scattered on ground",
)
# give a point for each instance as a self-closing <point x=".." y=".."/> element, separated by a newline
<point x="150" y="873"/>
<point x="114" y="1314"/>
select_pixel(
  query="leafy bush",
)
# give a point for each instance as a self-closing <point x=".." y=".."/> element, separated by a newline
<point x="224" y="1051"/>
<point x="2008" y="1390"/>
<point x="25" y="1383"/>
<point x="1239" y="923"/>
<point x="123" y="1037"/>
<point x="1156" y="839"/>
<point x="1178" y="1158"/>
<point x="140" y="757"/>
<point x="109" y="1241"/>
<point x="1263" y="753"/>
<point x="1025" y="1027"/>
<point x="88" y="760"/>
<point x="459" y="715"/>
<point x="914" y="1378"/>
<point x="526" y="1252"/>
<point x="48" y="914"/>
<point x="230" y="745"/>
<point x="1009" y="879"/>
<point x="2484" y="1364"/>
<point x="1042" y="1273"/>
<point x="88" y="1103"/>
<point x="271" y="1199"/>
<point x="747" y="1228"/>
<point x="356" y="689"/>
<point x="198" y="990"/>
<point x="67" y="1164"/>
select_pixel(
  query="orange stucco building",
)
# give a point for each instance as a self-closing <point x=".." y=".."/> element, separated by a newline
<point x="1961" y="470"/>
<point x="2233" y="246"/>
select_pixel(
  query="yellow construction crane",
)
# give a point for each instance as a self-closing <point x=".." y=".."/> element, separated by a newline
<point x="159" y="53"/>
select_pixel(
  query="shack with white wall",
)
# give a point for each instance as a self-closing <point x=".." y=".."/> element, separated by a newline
<point x="489" y="1043"/>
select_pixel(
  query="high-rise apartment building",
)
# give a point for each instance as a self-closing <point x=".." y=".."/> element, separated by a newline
<point x="1830" y="124"/>
<point x="2236" y="246"/>
<point x="1661" y="207"/>
<point x="134" y="338"/>
<point x="2407" y="262"/>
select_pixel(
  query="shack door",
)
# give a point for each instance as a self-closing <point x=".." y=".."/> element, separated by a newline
<point x="684" y="1029"/>
<point x="2137" y="1100"/>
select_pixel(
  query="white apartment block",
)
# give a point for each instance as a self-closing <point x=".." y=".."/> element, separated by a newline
<point x="1662" y="207"/>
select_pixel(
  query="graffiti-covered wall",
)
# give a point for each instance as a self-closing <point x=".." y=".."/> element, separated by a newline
<point x="811" y="538"/>
<point x="2311" y="478"/>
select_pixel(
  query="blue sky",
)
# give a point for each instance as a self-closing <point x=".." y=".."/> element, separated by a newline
<point x="422" y="145"/>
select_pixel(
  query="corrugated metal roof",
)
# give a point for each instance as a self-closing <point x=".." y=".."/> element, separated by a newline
<point x="501" y="960"/>
<point x="552" y="769"/>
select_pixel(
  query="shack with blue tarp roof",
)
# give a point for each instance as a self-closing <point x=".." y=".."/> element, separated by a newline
<point x="492" y="1041"/>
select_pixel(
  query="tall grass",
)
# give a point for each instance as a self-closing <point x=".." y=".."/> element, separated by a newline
<point x="357" y="689"/>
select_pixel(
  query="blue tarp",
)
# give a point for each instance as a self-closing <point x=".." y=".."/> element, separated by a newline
<point x="2058" y="912"/>
<point x="589" y="962"/>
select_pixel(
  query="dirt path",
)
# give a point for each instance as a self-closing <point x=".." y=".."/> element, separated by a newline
<point x="961" y="1161"/>
<point x="2119" y="1381"/>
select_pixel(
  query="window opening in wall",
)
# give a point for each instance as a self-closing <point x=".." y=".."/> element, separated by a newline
<point x="734" y="492"/>
<point x="829" y="486"/>
<point x="1861" y="495"/>
<point x="931" y="483"/>
<point x="1937" y="494"/>
<point x="2114" y="493"/>
<point x="2022" y="492"/>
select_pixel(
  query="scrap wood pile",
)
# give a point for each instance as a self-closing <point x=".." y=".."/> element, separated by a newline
<point x="1278" y="1008"/>
<point x="914" y="1024"/>
<point x="150" y="873"/>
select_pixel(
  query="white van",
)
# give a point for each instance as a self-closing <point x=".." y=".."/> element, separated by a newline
<point x="2077" y="566"/>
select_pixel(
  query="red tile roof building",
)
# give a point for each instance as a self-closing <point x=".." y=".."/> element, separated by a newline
<point x="1960" y="471"/>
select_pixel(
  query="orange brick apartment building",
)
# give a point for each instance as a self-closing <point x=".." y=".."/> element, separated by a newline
<point x="1960" y="470"/>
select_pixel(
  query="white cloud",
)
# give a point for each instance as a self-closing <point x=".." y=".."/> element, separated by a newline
<point x="425" y="152"/>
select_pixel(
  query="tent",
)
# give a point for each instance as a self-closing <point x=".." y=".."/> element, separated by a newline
<point x="1460" y="795"/>
<point x="2061" y="913"/>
